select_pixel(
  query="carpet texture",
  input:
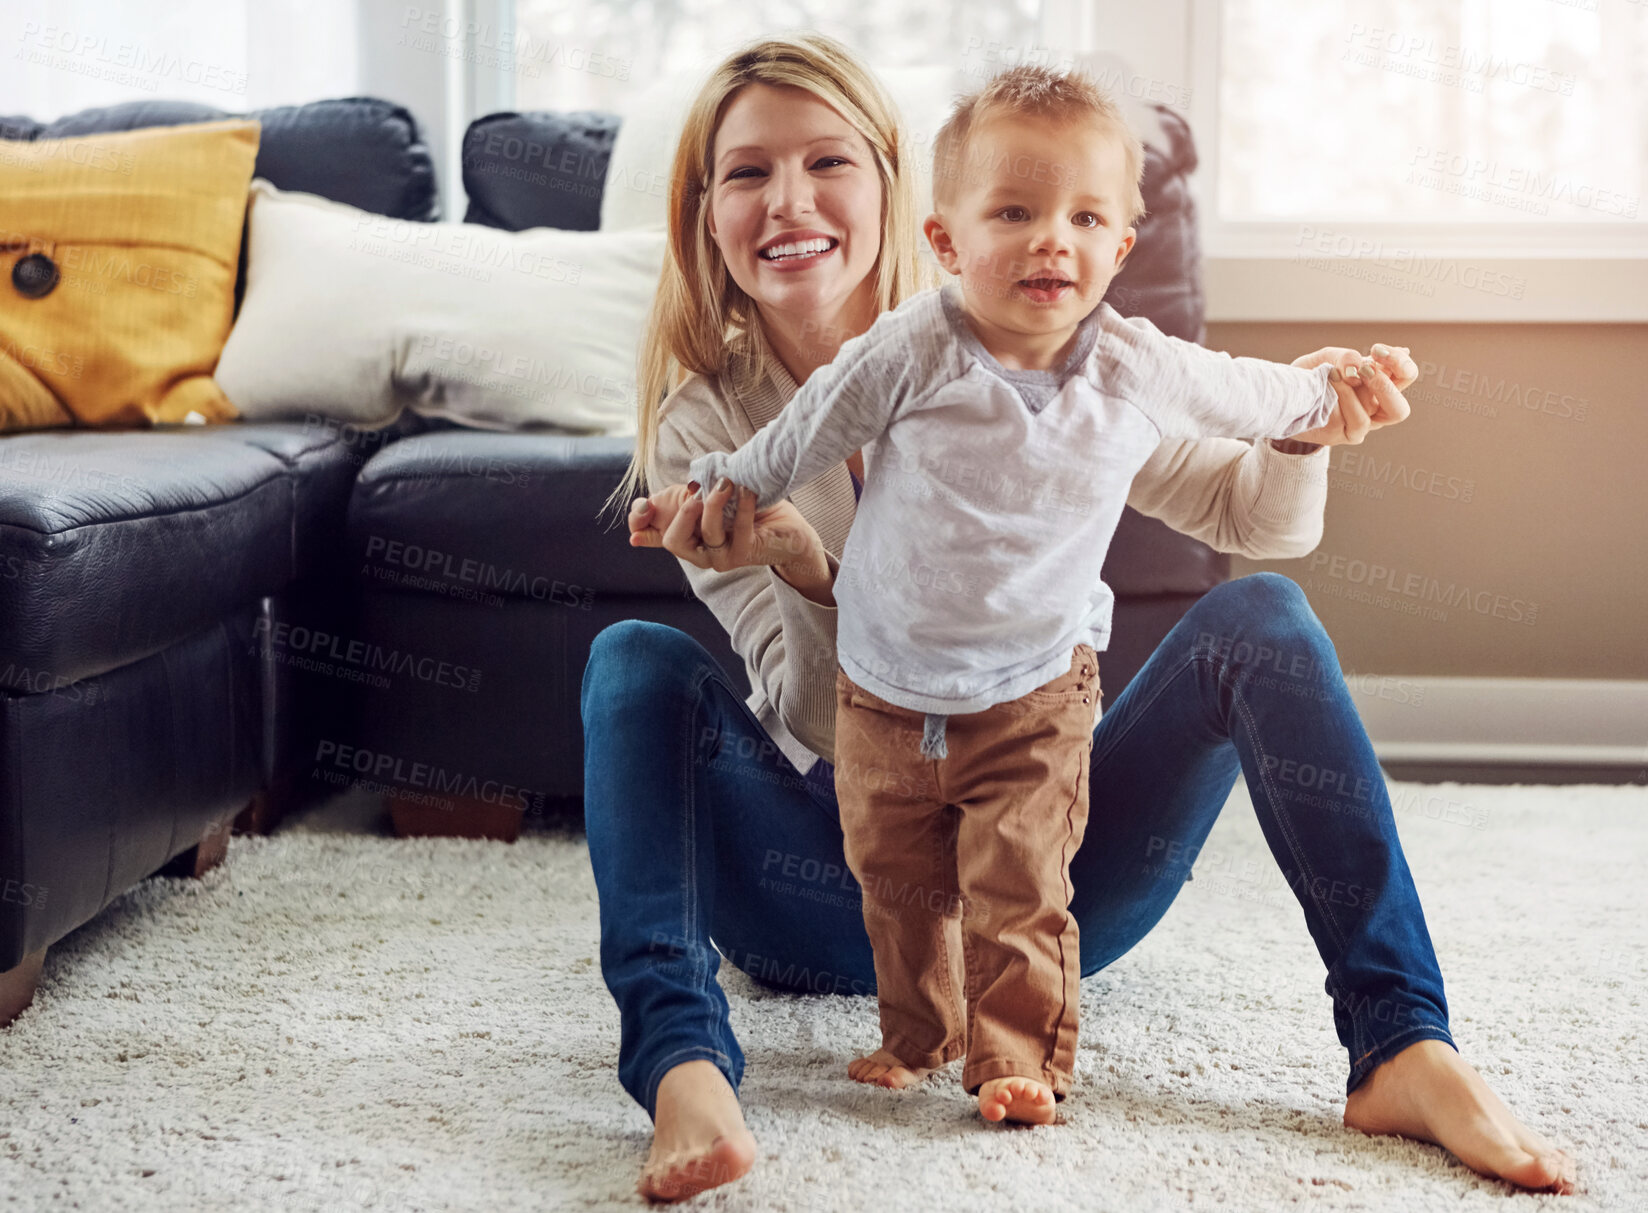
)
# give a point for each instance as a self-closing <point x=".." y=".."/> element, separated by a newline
<point x="339" y="1020"/>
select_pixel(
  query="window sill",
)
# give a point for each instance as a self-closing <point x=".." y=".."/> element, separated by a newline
<point x="1468" y="288"/>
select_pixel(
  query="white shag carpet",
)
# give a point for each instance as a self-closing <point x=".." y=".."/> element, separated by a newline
<point x="339" y="1020"/>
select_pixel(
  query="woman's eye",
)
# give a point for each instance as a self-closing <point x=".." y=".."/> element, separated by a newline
<point x="749" y="171"/>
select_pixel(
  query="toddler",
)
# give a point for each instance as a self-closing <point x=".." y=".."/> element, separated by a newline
<point x="1002" y="420"/>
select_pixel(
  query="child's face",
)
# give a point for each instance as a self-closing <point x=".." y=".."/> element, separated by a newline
<point x="1036" y="229"/>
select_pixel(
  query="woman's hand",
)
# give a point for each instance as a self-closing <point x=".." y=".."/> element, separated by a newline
<point x="1369" y="389"/>
<point x="695" y="531"/>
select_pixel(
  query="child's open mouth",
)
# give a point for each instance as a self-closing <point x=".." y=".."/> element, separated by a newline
<point x="1046" y="290"/>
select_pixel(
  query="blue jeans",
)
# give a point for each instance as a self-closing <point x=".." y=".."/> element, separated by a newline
<point x="707" y="843"/>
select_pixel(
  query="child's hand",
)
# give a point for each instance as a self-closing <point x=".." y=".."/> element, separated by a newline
<point x="1396" y="362"/>
<point x="1369" y="389"/>
<point x="650" y="517"/>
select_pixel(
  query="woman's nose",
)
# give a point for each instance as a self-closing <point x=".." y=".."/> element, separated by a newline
<point x="789" y="193"/>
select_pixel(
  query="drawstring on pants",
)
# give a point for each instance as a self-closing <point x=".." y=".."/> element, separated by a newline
<point x="932" y="736"/>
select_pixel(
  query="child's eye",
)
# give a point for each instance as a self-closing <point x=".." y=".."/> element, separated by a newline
<point x="1014" y="214"/>
<point x="1088" y="219"/>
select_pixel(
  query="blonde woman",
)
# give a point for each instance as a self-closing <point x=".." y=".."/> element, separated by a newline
<point x="792" y="227"/>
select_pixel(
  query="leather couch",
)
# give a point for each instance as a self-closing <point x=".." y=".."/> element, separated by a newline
<point x="165" y="594"/>
<point x="140" y="575"/>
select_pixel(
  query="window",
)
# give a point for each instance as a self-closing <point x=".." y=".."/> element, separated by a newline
<point x="1515" y="123"/>
<point x="235" y="57"/>
<point x="595" y="54"/>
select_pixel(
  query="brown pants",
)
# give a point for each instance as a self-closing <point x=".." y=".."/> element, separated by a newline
<point x="990" y="828"/>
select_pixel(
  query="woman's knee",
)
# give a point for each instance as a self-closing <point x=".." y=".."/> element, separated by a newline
<point x="1260" y="605"/>
<point x="635" y="661"/>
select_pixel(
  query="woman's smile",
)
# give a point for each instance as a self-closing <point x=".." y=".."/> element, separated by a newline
<point x="796" y="251"/>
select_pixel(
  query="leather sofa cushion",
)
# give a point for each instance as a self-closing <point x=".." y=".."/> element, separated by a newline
<point x="18" y="126"/>
<point x="542" y="169"/>
<point x="455" y="512"/>
<point x="1162" y="277"/>
<point x="115" y="546"/>
<point x="1148" y="557"/>
<point x="321" y="459"/>
<point x="462" y="513"/>
<point x="358" y="150"/>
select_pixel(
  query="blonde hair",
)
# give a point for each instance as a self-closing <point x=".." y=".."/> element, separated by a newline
<point x="698" y="308"/>
<point x="1038" y="91"/>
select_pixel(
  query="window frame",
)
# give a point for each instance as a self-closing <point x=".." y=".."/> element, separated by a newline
<point x="1538" y="271"/>
<point x="1274" y="270"/>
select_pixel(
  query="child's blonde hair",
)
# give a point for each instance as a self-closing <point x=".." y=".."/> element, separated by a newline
<point x="1034" y="91"/>
<point x="698" y="307"/>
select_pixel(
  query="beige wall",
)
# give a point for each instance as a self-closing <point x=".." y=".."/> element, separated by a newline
<point x="1521" y="479"/>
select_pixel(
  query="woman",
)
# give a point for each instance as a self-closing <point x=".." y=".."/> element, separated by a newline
<point x="709" y="816"/>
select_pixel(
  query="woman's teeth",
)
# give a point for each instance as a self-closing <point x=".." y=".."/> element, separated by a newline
<point x="796" y="248"/>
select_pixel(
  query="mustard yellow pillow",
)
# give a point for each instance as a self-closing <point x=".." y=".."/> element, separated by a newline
<point x="117" y="273"/>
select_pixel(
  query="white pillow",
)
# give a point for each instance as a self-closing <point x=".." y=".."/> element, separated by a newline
<point x="636" y="192"/>
<point x="356" y="316"/>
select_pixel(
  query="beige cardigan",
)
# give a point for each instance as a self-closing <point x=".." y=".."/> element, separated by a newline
<point x="1232" y="495"/>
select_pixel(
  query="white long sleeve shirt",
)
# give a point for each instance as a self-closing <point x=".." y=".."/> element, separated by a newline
<point x="991" y="495"/>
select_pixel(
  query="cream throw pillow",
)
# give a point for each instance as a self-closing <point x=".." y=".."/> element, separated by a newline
<point x="356" y="316"/>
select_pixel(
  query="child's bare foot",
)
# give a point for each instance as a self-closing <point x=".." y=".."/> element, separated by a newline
<point x="1014" y="1098"/>
<point x="698" y="1139"/>
<point x="885" y="1070"/>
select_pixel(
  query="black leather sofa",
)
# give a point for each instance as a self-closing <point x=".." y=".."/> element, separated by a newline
<point x="140" y="712"/>
<point x="162" y="593"/>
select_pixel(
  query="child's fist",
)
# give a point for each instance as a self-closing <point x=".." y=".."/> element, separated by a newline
<point x="650" y="517"/>
<point x="1393" y="360"/>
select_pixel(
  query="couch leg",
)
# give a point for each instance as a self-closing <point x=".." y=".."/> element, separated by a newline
<point x="259" y="815"/>
<point x="465" y="818"/>
<point x="17" y="986"/>
<point x="205" y="855"/>
<point x="265" y="809"/>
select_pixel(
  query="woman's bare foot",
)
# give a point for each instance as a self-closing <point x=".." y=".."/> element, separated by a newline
<point x="1429" y="1092"/>
<point x="698" y="1137"/>
<point x="1014" y="1098"/>
<point x="885" y="1070"/>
